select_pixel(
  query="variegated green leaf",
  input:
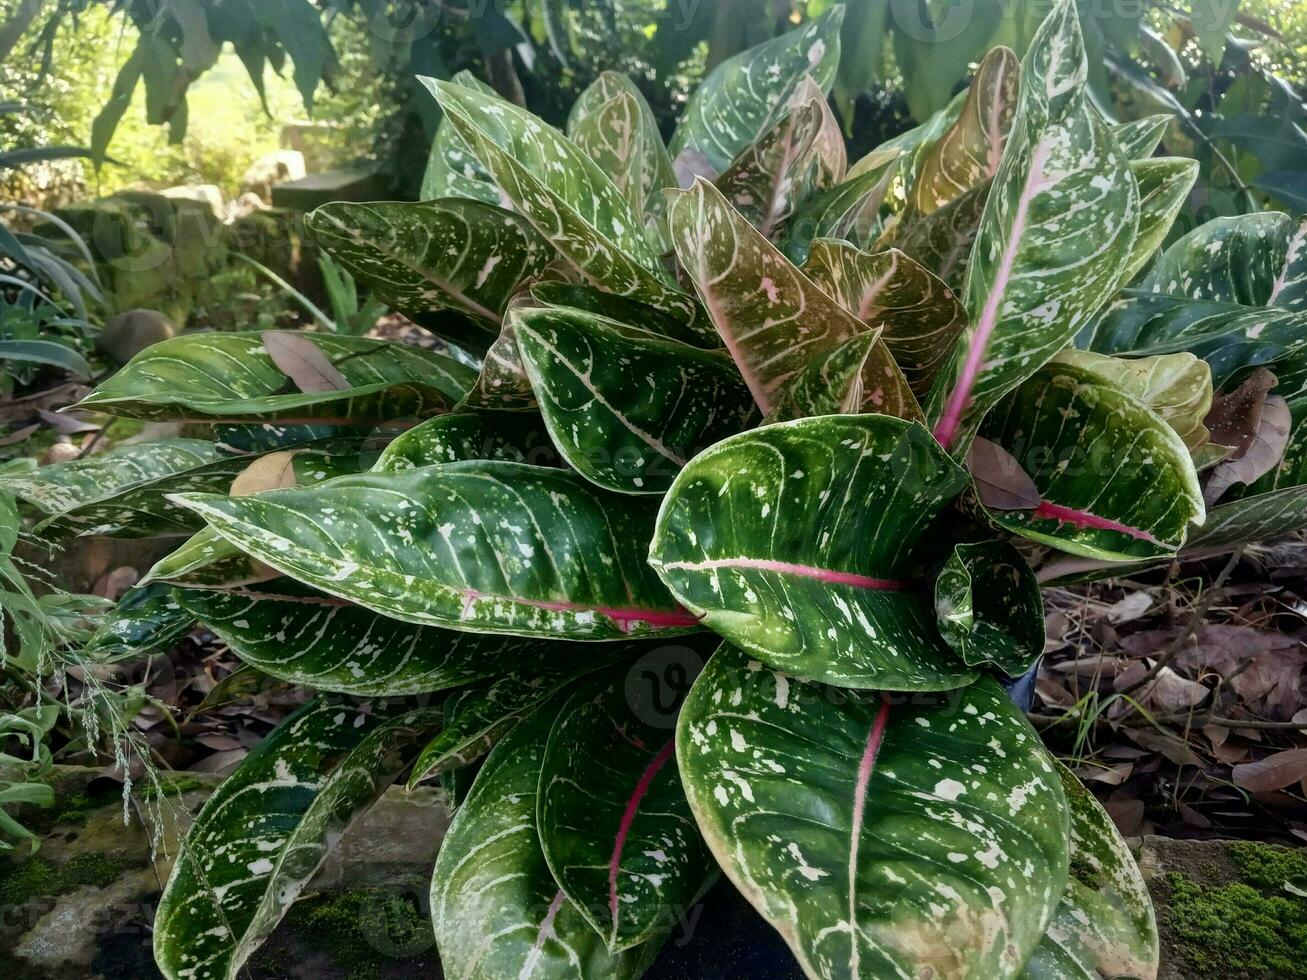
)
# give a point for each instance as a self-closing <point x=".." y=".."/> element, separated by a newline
<point x="452" y="169"/>
<point x="567" y="198"/>
<point x="627" y="408"/>
<point x="305" y="637"/>
<point x="1178" y="387"/>
<point x="496" y="908"/>
<point x="920" y="317"/>
<point x="476" y="718"/>
<point x="501" y="384"/>
<point x="121" y="492"/>
<point x="206" y="560"/>
<point x="769" y="537"/>
<point x="612" y="123"/>
<point x="1261" y="517"/>
<point x="849" y="211"/>
<point x="784" y="167"/>
<point x="773" y="318"/>
<point x="1104" y="926"/>
<point x="144" y="619"/>
<point x="1138" y="138"/>
<point x="1257" y="259"/>
<point x="614" y="823"/>
<point x="1164" y="184"/>
<point x="422" y="259"/>
<point x="512" y="436"/>
<point x="1116" y="480"/>
<point x="477" y="545"/>
<point x="969" y="152"/>
<point x="880" y="838"/>
<point x="1058" y="224"/>
<point x="942" y="240"/>
<point x="231" y="376"/>
<point x="989" y="608"/>
<point x="1228" y="336"/>
<point x="268" y="827"/>
<point x="742" y="97"/>
<point x="830" y="384"/>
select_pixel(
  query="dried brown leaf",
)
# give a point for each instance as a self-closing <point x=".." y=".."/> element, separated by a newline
<point x="303" y="361"/>
<point x="271" y="472"/>
<point x="1273" y="772"/>
<point x="1001" y="482"/>
<point x="1263" y="454"/>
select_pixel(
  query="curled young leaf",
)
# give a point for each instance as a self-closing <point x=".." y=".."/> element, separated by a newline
<point x="989" y="608"/>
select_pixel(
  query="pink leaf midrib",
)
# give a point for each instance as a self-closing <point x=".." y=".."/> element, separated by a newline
<point x="628" y="819"/>
<point x="866" y="767"/>
<point x="947" y="427"/>
<point x="828" y="575"/>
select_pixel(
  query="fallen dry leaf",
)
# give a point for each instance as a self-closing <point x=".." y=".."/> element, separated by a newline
<point x="1273" y="772"/>
<point x="1262" y="455"/>
<point x="303" y="361"/>
<point x="1001" y="482"/>
<point x="270" y="472"/>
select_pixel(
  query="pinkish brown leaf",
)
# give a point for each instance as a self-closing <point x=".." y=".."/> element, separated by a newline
<point x="1273" y="772"/>
<point x="303" y="361"/>
<point x="1001" y="482"/>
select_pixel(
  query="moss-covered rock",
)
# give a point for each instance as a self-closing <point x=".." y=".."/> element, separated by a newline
<point x="1229" y="910"/>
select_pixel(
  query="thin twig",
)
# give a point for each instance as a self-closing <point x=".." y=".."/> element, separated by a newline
<point x="1195" y="620"/>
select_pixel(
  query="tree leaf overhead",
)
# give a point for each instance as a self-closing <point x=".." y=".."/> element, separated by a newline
<point x="920" y="317"/>
<point x="742" y="96"/>
<point x="772" y="317"/>
<point x="265" y="831"/>
<point x="988" y="606"/>
<point x="625" y="407"/>
<point x="969" y="152"/>
<point x="766" y="536"/>
<point x="1059" y="221"/>
<point x="230" y="376"/>
<point x="879" y="836"/>
<point x="451" y="254"/>
<point x="496" y="908"/>
<point x="1104" y="926"/>
<point x="626" y="852"/>
<point x="1099" y="458"/>
<point x="477" y="545"/>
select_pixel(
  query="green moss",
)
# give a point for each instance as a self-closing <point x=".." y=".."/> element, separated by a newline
<point x="41" y="878"/>
<point x="360" y="930"/>
<point x="1236" y="931"/>
<point x="1269" y="867"/>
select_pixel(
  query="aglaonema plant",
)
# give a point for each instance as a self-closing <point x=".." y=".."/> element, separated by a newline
<point x="811" y="489"/>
